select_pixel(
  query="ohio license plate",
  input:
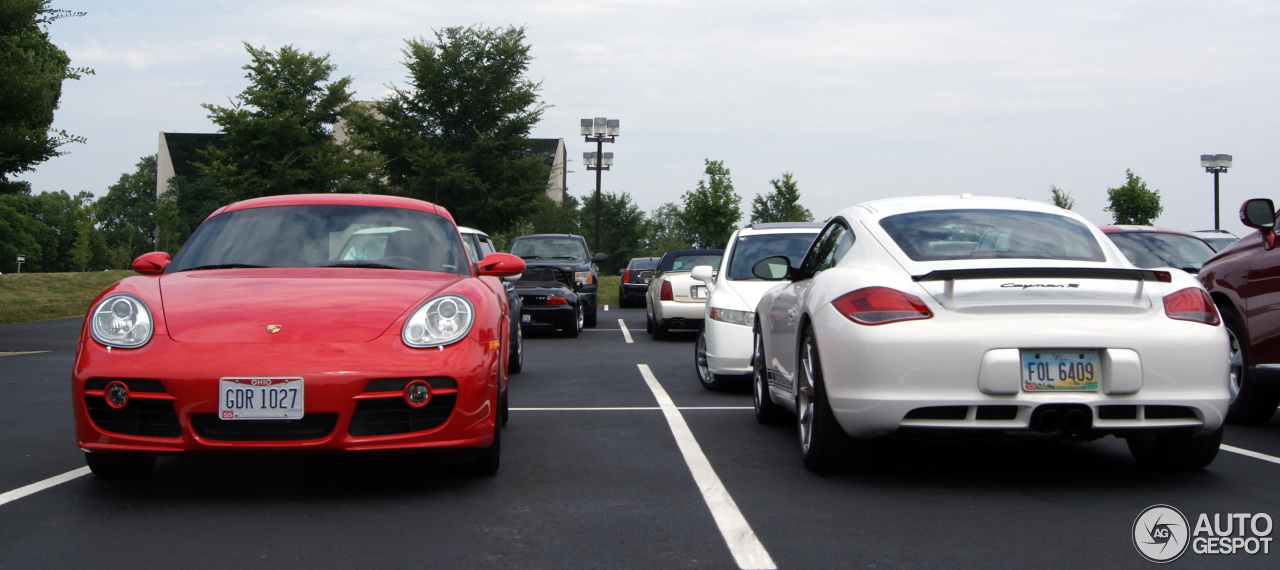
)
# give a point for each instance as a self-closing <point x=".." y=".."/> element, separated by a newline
<point x="526" y="318"/>
<point x="1066" y="370"/>
<point x="260" y="398"/>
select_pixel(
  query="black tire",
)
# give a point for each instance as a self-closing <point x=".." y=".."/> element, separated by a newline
<point x="504" y="408"/>
<point x="708" y="379"/>
<point x="119" y="466"/>
<point x="490" y="459"/>
<point x="574" y="327"/>
<point x="1251" y="404"/>
<point x="590" y="319"/>
<point x="1175" y="450"/>
<point x="515" y="360"/>
<point x="648" y="323"/>
<point x="660" y="330"/>
<point x="823" y="444"/>
<point x="767" y="411"/>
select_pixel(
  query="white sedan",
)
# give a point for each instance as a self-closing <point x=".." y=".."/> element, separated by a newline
<point x="722" y="354"/>
<point x="938" y="315"/>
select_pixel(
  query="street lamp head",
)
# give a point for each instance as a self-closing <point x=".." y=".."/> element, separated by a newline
<point x="586" y="127"/>
<point x="1211" y="162"/>
<point x="600" y="126"/>
<point x="608" y="158"/>
<point x="589" y="159"/>
<point x="612" y="126"/>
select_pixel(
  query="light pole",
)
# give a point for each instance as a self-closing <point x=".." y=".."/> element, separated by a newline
<point x="1217" y="164"/>
<point x="599" y="130"/>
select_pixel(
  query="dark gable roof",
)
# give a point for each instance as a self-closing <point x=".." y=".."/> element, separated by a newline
<point x="546" y="148"/>
<point x="184" y="151"/>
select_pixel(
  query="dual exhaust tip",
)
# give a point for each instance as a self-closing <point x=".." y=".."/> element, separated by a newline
<point x="1071" y="419"/>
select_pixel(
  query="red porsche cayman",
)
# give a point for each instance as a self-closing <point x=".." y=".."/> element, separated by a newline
<point x="303" y="322"/>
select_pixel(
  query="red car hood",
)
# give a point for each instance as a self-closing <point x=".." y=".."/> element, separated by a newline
<point x="306" y="304"/>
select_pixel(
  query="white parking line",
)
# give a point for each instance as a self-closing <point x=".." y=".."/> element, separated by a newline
<point x="1247" y="453"/>
<point x="631" y="408"/>
<point x="23" y="352"/>
<point x="626" y="333"/>
<point x="747" y="550"/>
<point x="42" y="485"/>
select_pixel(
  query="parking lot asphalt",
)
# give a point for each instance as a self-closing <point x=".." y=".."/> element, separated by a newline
<point x="597" y="471"/>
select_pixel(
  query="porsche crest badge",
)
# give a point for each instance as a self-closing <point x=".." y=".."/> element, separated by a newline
<point x="273" y="329"/>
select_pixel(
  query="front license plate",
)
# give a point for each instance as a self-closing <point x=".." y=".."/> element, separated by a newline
<point x="526" y="318"/>
<point x="260" y="398"/>
<point x="698" y="292"/>
<point x="1047" y="370"/>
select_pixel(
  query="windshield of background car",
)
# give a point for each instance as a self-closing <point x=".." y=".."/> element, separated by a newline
<point x="688" y="262"/>
<point x="324" y="235"/>
<point x="948" y="235"/>
<point x="748" y="250"/>
<point x="549" y="248"/>
<point x="1153" y="249"/>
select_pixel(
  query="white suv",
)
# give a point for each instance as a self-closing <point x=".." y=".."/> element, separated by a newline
<point x="723" y="351"/>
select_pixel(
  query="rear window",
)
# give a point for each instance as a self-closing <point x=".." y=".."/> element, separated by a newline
<point x="688" y="262"/>
<point x="1154" y="249"/>
<point x="946" y="235"/>
<point x="642" y="264"/>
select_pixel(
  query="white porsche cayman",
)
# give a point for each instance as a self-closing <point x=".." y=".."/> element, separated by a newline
<point x="986" y="315"/>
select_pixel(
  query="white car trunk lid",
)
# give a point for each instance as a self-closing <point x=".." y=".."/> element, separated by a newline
<point x="1071" y="290"/>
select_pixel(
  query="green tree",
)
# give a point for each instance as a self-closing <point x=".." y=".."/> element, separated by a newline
<point x="279" y="131"/>
<point x="1133" y="203"/>
<point x="169" y="231"/>
<point x="780" y="205"/>
<point x="666" y="229"/>
<point x="457" y="134"/>
<point x="18" y="233"/>
<point x="32" y="70"/>
<point x="621" y="229"/>
<point x="1061" y="198"/>
<point x="126" y="214"/>
<point x="711" y="210"/>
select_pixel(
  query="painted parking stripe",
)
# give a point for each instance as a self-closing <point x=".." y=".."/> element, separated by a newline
<point x="1247" y="453"/>
<point x="634" y="408"/>
<point x="626" y="333"/>
<point x="747" y="550"/>
<point x="20" y="353"/>
<point x="42" y="485"/>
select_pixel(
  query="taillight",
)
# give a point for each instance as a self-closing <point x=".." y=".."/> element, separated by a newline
<point x="557" y="300"/>
<point x="665" y="293"/>
<point x="1191" y="304"/>
<point x="881" y="305"/>
<point x="626" y="276"/>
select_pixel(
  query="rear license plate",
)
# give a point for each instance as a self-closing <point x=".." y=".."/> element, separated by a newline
<point x="260" y="398"/>
<point x="698" y="292"/>
<point x="526" y="318"/>
<point x="1048" y="370"/>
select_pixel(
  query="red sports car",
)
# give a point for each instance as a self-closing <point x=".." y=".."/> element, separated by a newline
<point x="304" y="322"/>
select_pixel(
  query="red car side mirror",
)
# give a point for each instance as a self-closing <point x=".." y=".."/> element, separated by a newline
<point x="500" y="265"/>
<point x="151" y="263"/>
<point x="1260" y="214"/>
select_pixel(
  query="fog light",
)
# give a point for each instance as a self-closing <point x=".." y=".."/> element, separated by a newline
<point x="117" y="395"/>
<point x="417" y="393"/>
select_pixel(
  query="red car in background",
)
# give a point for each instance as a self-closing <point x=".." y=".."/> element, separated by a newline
<point x="1244" y="281"/>
<point x="303" y="322"/>
<point x="1150" y="247"/>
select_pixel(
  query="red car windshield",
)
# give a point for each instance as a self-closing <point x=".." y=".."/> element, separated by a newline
<point x="324" y="235"/>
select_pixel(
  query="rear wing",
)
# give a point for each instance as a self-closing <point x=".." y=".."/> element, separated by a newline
<point x="1047" y="273"/>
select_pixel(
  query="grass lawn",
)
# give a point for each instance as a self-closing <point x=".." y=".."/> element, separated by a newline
<point x="607" y="291"/>
<point x="28" y="297"/>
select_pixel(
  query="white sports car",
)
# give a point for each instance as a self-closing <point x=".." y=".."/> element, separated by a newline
<point x="722" y="354"/>
<point x="935" y="315"/>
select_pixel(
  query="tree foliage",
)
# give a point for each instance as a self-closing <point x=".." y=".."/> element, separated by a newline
<point x="780" y="205"/>
<point x="666" y="229"/>
<point x="126" y="214"/>
<point x="279" y="131"/>
<point x="1133" y="203"/>
<point x="711" y="211"/>
<point x="32" y="70"/>
<point x="1061" y="198"/>
<point x="457" y="134"/>
<point x="621" y="228"/>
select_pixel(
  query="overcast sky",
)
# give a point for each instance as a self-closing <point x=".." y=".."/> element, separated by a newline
<point x="860" y="100"/>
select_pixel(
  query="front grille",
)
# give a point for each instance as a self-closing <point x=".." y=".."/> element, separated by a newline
<point x="387" y="416"/>
<point x="150" y="418"/>
<point x="145" y="386"/>
<point x="310" y="426"/>
<point x="398" y="384"/>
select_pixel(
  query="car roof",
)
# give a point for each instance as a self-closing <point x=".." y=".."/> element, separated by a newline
<point x="1125" y="228"/>
<point x="1219" y="233"/>
<point x="782" y="228"/>
<point x="886" y="207"/>
<point x="551" y="236"/>
<point x="335" y="199"/>
<point x="466" y="230"/>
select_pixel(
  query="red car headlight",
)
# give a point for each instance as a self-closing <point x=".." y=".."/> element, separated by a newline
<point x="438" y="322"/>
<point x="120" y="320"/>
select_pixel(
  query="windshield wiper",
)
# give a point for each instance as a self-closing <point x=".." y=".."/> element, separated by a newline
<point x="364" y="264"/>
<point x="531" y="257"/>
<point x="222" y="266"/>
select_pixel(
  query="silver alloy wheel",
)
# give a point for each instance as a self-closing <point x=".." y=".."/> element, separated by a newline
<point x="805" y="395"/>
<point x="520" y="345"/>
<point x="700" y="359"/>
<point x="581" y="318"/>
<point x="1235" y="365"/>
